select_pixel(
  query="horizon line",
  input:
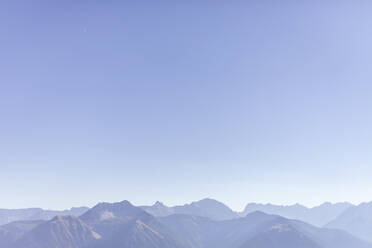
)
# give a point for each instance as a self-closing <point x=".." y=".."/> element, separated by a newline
<point x="188" y="203"/>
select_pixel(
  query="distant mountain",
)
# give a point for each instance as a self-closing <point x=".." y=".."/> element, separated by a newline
<point x="215" y="210"/>
<point x="60" y="232"/>
<point x="280" y="236"/>
<point x="210" y="208"/>
<point x="141" y="234"/>
<point x="356" y="220"/>
<point x="258" y="230"/>
<point x="158" y="209"/>
<point x="123" y="225"/>
<point x="197" y="231"/>
<point x="285" y="211"/>
<point x="318" y="216"/>
<point x="50" y="214"/>
<point x="114" y="225"/>
<point x="111" y="212"/>
<point x="11" y="215"/>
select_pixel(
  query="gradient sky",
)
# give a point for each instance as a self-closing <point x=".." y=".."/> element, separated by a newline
<point x="179" y="100"/>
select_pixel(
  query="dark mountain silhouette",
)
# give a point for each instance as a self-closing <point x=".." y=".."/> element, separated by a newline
<point x="356" y="220"/>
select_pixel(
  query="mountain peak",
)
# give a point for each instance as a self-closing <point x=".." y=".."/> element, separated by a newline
<point x="122" y="204"/>
<point x="126" y="202"/>
<point x="208" y="200"/>
<point x="207" y="207"/>
<point x="257" y="213"/>
<point x="159" y="204"/>
<point x="105" y="211"/>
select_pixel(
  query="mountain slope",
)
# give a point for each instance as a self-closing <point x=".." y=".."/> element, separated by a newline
<point x="158" y="209"/>
<point x="280" y="236"/>
<point x="356" y="220"/>
<point x="106" y="218"/>
<point x="60" y="232"/>
<point x="144" y="234"/>
<point x="209" y="208"/>
<point x="122" y="225"/>
<point x="11" y="215"/>
<point x="197" y="231"/>
<point x="258" y="230"/>
<point x="318" y="216"/>
<point x="11" y="232"/>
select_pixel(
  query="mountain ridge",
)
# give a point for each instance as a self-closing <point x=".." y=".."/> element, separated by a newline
<point x="123" y="225"/>
<point x="22" y="214"/>
<point x="213" y="209"/>
<point x="357" y="220"/>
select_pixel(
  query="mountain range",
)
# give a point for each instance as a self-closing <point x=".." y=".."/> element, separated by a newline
<point x="122" y="225"/>
<point x="209" y="208"/>
<point x="11" y="215"/>
<point x="318" y="216"/>
<point x="258" y="230"/>
<point x="357" y="220"/>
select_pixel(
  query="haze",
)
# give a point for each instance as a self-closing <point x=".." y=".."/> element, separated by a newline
<point x="246" y="101"/>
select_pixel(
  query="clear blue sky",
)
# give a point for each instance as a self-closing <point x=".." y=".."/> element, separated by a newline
<point x="180" y="100"/>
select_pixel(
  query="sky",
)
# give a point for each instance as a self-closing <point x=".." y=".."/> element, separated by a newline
<point x="241" y="101"/>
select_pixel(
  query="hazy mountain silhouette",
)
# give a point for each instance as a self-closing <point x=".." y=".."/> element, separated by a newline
<point x="197" y="231"/>
<point x="210" y="208"/>
<point x="11" y="215"/>
<point x="111" y="212"/>
<point x="357" y="220"/>
<point x="215" y="210"/>
<point x="258" y="230"/>
<point x="122" y="225"/>
<point x="141" y="233"/>
<point x="318" y="216"/>
<point x="280" y="236"/>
